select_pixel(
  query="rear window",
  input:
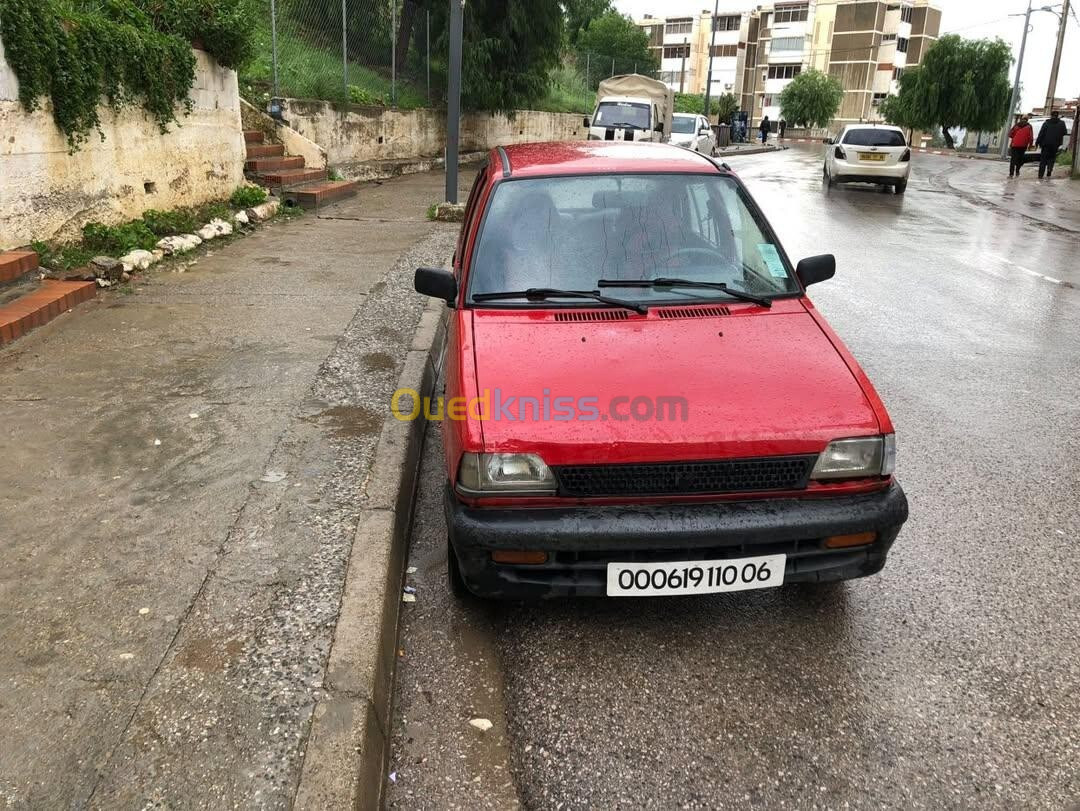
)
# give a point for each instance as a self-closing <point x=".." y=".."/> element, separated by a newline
<point x="874" y="137"/>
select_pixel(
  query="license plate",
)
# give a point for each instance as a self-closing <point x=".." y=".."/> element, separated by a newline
<point x="872" y="156"/>
<point x="694" y="576"/>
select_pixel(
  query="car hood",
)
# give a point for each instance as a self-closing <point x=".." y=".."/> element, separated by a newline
<point x="754" y="382"/>
<point x="682" y="140"/>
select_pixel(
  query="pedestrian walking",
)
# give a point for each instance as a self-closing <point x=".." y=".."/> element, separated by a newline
<point x="1020" y="138"/>
<point x="783" y="127"/>
<point x="1052" y="135"/>
<point x="764" y="129"/>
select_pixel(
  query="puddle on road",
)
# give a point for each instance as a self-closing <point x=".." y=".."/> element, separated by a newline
<point x="350" y="422"/>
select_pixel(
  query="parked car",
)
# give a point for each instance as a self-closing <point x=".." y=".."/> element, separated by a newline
<point x="868" y="153"/>
<point x="693" y="132"/>
<point x="646" y="401"/>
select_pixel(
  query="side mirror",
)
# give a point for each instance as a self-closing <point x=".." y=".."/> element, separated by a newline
<point x="585" y="122"/>
<point x="816" y="269"/>
<point x="704" y="131"/>
<point x="436" y="283"/>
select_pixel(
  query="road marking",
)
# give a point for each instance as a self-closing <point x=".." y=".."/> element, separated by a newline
<point x="1028" y="271"/>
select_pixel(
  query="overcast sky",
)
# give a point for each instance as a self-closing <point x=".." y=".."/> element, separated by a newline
<point x="969" y="18"/>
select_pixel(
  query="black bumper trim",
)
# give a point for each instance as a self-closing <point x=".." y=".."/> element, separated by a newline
<point x="581" y="539"/>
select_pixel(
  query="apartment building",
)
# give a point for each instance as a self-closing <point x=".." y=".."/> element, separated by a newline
<point x="681" y="46"/>
<point x="866" y="44"/>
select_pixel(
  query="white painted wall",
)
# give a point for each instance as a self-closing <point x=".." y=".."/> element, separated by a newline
<point x="47" y="193"/>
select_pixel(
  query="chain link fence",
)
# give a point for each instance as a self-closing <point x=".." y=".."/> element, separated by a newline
<point x="374" y="52"/>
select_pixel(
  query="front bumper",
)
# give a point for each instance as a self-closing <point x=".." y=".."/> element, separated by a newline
<point x="581" y="541"/>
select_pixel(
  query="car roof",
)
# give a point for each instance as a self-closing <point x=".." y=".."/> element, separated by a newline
<point x="591" y="157"/>
<point x="872" y="126"/>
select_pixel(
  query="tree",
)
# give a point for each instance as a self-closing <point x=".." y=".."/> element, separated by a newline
<point x="614" y="36"/>
<point x="720" y="107"/>
<point x="811" y="99"/>
<point x="580" y="14"/>
<point x="959" y="83"/>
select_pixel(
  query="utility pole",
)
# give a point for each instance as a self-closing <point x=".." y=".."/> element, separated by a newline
<point x="1016" y="82"/>
<point x="712" y="48"/>
<point x="682" y="72"/>
<point x="1051" y="91"/>
<point x="453" y="99"/>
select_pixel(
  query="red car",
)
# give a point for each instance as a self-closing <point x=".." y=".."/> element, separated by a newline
<point x="640" y="397"/>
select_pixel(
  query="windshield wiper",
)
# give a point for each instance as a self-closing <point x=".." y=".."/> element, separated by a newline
<point x="541" y="293"/>
<point x="734" y="292"/>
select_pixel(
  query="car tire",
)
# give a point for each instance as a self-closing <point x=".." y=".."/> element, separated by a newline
<point x="454" y="581"/>
<point x="901" y="187"/>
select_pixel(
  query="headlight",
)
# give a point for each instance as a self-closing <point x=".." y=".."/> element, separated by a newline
<point x="857" y="458"/>
<point x="505" y="473"/>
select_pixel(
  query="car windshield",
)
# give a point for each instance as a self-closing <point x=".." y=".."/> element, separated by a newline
<point x="570" y="232"/>
<point x="622" y="114"/>
<point x="874" y="137"/>
<point x="682" y="125"/>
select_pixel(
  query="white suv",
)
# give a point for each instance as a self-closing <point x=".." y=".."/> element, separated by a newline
<point x="693" y="132"/>
<point x="869" y="153"/>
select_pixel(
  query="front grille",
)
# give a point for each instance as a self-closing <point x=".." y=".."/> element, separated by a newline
<point x="686" y="478"/>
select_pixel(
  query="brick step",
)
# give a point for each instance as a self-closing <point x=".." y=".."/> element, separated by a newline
<point x="41" y="306"/>
<point x="312" y="195"/>
<point x="290" y="177"/>
<point x="14" y="264"/>
<point x="270" y="164"/>
<point x="265" y="151"/>
<point x="254" y="136"/>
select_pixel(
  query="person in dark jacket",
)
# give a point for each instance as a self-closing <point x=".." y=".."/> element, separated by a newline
<point x="1020" y="138"/>
<point x="1051" y="137"/>
<point x="764" y="129"/>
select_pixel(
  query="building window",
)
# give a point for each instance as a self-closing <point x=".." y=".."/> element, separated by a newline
<point x="727" y="23"/>
<point x="765" y="15"/>
<point x="878" y="98"/>
<point x="676" y="52"/>
<point x="905" y="14"/>
<point x="897" y="73"/>
<point x="792" y="14"/>
<point x="679" y="26"/>
<point x="901" y="45"/>
<point x="788" y="44"/>
<point x="784" y="71"/>
<point x="725" y="50"/>
<point x="888" y="38"/>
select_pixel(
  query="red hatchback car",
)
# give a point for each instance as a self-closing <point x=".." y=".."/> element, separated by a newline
<point x="641" y="399"/>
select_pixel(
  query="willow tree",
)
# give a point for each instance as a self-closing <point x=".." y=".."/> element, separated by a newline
<point x="959" y="83"/>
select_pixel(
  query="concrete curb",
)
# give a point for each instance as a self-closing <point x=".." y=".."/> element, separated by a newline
<point x="345" y="762"/>
<point x="756" y="151"/>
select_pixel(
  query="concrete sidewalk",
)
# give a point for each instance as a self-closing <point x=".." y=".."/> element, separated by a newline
<point x="179" y="496"/>
<point x="1054" y="202"/>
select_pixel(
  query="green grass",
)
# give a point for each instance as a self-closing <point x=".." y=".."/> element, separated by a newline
<point x="308" y="71"/>
<point x="566" y="93"/>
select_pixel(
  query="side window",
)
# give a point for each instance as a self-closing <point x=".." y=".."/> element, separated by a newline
<point x="470" y="216"/>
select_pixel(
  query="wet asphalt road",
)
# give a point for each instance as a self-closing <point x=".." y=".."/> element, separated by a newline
<point x="952" y="679"/>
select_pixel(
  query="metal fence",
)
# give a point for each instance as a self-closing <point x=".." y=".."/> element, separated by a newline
<point x="365" y="51"/>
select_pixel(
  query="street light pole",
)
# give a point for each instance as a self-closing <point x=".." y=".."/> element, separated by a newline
<point x="1016" y="82"/>
<point x="1051" y="91"/>
<point x="453" y="99"/>
<point x="712" y="49"/>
